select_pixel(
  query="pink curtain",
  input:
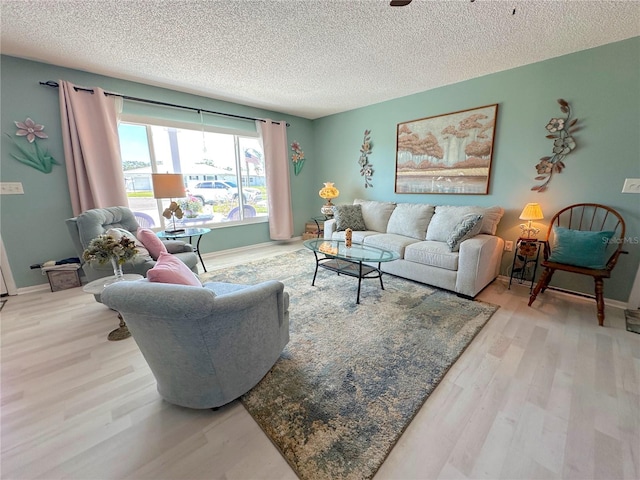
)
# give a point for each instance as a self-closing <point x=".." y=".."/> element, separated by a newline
<point x="276" y="159"/>
<point x="91" y="148"/>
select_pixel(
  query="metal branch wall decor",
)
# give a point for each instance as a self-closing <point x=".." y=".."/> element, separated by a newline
<point x="34" y="157"/>
<point x="561" y="131"/>
<point x="366" y="169"/>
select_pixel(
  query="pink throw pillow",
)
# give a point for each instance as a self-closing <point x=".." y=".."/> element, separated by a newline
<point x="151" y="242"/>
<point x="170" y="269"/>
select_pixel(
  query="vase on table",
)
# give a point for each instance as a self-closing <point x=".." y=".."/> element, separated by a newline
<point x="122" y="331"/>
<point x="117" y="269"/>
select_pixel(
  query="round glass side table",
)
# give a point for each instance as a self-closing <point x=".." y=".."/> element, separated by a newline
<point x="97" y="287"/>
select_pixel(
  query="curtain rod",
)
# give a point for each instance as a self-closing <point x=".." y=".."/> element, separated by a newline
<point x="52" y="84"/>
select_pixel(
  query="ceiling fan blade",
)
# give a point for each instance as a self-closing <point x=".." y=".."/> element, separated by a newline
<point x="399" y="3"/>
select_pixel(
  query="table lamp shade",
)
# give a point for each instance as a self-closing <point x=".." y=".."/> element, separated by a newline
<point x="167" y="185"/>
<point x="328" y="192"/>
<point x="532" y="211"/>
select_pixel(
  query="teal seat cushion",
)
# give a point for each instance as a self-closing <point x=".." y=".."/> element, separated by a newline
<point x="579" y="248"/>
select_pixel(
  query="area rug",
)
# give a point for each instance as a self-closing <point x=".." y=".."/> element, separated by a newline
<point x="352" y="376"/>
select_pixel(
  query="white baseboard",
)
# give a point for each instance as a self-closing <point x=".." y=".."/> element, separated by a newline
<point x="34" y="288"/>
<point x="248" y="248"/>
<point x="569" y="293"/>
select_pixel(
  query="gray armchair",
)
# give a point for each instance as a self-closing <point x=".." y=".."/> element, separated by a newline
<point x="206" y="346"/>
<point x="90" y="224"/>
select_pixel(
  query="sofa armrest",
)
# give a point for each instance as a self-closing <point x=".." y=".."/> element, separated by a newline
<point x="177" y="246"/>
<point x="478" y="264"/>
<point x="329" y="228"/>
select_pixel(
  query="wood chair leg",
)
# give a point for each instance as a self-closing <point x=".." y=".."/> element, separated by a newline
<point x="600" y="300"/>
<point x="542" y="283"/>
<point x="547" y="279"/>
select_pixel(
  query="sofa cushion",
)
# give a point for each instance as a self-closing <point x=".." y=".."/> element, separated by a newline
<point x="468" y="227"/>
<point x="447" y="217"/>
<point x="375" y="214"/>
<point x="348" y="216"/>
<point x="170" y="269"/>
<point x="390" y="241"/>
<point x="410" y="219"/>
<point x="435" y="254"/>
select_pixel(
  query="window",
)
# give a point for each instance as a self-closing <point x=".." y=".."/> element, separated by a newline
<point x="223" y="172"/>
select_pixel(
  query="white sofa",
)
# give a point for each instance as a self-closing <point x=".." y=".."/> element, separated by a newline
<point x="436" y="244"/>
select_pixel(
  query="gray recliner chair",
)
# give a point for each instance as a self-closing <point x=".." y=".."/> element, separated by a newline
<point x="206" y="346"/>
<point x="88" y="225"/>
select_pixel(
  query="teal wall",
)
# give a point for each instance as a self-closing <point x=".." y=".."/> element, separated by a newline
<point x="33" y="228"/>
<point x="602" y="86"/>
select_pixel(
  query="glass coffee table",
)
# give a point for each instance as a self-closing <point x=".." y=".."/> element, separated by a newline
<point x="335" y="256"/>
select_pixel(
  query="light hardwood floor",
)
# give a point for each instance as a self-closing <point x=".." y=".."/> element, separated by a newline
<point x="540" y="393"/>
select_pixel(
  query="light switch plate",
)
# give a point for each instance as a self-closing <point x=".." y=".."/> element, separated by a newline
<point x="631" y="185"/>
<point x="11" y="188"/>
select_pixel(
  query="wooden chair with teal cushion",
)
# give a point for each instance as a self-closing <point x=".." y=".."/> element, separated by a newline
<point x="587" y="239"/>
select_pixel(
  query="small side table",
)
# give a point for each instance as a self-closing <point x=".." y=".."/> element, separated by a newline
<point x="320" y="229"/>
<point x="525" y="261"/>
<point x="97" y="287"/>
<point x="188" y="232"/>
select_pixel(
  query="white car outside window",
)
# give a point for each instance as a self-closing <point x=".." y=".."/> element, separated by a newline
<point x="216" y="191"/>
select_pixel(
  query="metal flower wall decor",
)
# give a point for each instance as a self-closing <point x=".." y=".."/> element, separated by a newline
<point x="561" y="131"/>
<point x="366" y="169"/>
<point x="297" y="158"/>
<point x="34" y="157"/>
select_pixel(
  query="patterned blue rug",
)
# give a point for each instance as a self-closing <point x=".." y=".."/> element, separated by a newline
<point x="352" y="376"/>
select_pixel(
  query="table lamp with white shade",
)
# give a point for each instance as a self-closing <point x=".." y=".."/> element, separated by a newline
<point x="531" y="211"/>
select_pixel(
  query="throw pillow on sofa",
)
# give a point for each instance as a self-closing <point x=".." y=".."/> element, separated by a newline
<point x="348" y="216"/>
<point x="468" y="227"/>
<point x="170" y="269"/>
<point x="447" y="217"/>
<point x="375" y="214"/>
<point x="410" y="220"/>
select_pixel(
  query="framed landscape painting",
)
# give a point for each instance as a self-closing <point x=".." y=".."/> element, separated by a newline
<point x="448" y="153"/>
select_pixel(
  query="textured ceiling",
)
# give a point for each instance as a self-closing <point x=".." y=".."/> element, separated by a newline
<point x="307" y="57"/>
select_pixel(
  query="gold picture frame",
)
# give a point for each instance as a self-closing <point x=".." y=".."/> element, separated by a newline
<point x="449" y="154"/>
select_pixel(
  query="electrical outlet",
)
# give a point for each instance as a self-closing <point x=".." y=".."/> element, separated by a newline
<point x="11" y="188"/>
<point x="631" y="185"/>
<point x="508" y="246"/>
